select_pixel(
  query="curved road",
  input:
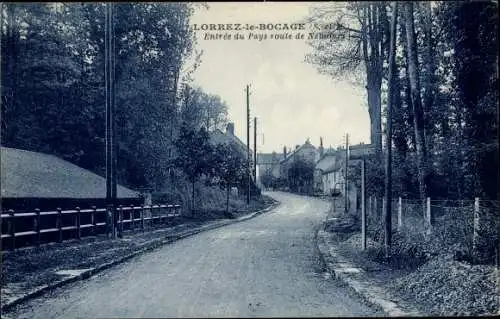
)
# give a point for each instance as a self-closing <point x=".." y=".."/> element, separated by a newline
<point x="267" y="266"/>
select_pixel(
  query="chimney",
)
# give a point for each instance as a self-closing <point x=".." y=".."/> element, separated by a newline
<point x="284" y="151"/>
<point x="230" y="128"/>
<point x="297" y="146"/>
<point x="321" y="150"/>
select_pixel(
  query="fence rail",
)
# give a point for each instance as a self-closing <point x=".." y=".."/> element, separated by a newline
<point x="138" y="217"/>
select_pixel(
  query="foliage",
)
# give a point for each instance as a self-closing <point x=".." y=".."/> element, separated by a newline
<point x="53" y="84"/>
<point x="194" y="153"/>
<point x="300" y="175"/>
<point x="356" y="48"/>
<point x="230" y="164"/>
<point x="268" y="179"/>
<point x="457" y="60"/>
<point x="203" y="109"/>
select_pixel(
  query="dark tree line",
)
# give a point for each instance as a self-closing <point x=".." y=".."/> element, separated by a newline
<point x="53" y="92"/>
<point x="445" y="111"/>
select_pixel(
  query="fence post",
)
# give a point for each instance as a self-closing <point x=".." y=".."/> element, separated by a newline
<point x="370" y="205"/>
<point x="59" y="223"/>
<point x="109" y="221"/>
<point x="152" y="221"/>
<point x="400" y="213"/>
<point x="132" y="216"/>
<point x="12" y="230"/>
<point x="375" y="206"/>
<point x="142" y="216"/>
<point x="92" y="217"/>
<point x="383" y="207"/>
<point x="37" y="226"/>
<point x="120" y="220"/>
<point x="78" y="229"/>
<point x="428" y="215"/>
<point x="363" y="206"/>
<point x="475" y="236"/>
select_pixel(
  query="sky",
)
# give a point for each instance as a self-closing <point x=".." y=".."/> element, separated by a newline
<point x="291" y="100"/>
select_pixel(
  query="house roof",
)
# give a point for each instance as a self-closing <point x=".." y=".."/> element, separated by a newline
<point x="360" y="146"/>
<point x="219" y="137"/>
<point x="331" y="161"/>
<point x="306" y="144"/>
<point x="333" y="167"/>
<point x="267" y="158"/>
<point x="38" y="175"/>
<point x="325" y="161"/>
<point x="327" y="152"/>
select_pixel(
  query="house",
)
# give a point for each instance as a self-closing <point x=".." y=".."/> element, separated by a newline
<point x="219" y="137"/>
<point x="329" y="172"/>
<point x="36" y="180"/>
<point x="331" y="168"/>
<point x="306" y="152"/>
<point x="267" y="162"/>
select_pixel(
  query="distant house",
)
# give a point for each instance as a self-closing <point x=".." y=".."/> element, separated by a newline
<point x="331" y="168"/>
<point x="219" y="137"/>
<point x="35" y="180"/>
<point x="329" y="172"/>
<point x="267" y="162"/>
<point x="306" y="152"/>
<point x="228" y="137"/>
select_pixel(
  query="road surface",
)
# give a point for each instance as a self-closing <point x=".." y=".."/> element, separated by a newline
<point x="264" y="267"/>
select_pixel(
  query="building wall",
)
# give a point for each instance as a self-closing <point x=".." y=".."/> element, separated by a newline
<point x="274" y="168"/>
<point x="331" y="181"/>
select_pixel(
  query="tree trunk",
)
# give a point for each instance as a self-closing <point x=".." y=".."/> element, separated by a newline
<point x="372" y="59"/>
<point x="407" y="86"/>
<point x="430" y="67"/>
<point x="374" y="108"/>
<point x="391" y="98"/>
<point x="416" y="101"/>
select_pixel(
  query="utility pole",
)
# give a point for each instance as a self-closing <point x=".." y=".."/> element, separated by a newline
<point x="363" y="204"/>
<point x="110" y="126"/>
<point x="248" y="144"/>
<point x="346" y="195"/>
<point x="255" y="149"/>
<point x="388" y="161"/>
<point x="1" y="94"/>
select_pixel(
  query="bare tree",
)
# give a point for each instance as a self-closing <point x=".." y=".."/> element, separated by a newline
<point x="358" y="36"/>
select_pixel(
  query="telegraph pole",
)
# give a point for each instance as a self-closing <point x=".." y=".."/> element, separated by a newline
<point x="346" y="195"/>
<point x="110" y="126"/>
<point x="248" y="144"/>
<point x="255" y="149"/>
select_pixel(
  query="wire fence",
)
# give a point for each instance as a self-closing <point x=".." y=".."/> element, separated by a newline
<point x="469" y="226"/>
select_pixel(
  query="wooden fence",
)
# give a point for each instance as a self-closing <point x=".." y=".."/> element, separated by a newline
<point x="71" y="223"/>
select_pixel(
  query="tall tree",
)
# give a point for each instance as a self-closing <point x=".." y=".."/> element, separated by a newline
<point x="359" y="37"/>
<point x="393" y="91"/>
<point x="418" y="113"/>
